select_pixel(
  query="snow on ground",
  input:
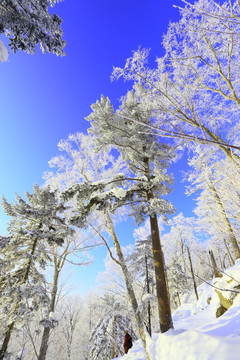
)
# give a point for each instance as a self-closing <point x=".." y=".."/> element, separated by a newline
<point x="197" y="333"/>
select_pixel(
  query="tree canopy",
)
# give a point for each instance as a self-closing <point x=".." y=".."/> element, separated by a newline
<point x="28" y="23"/>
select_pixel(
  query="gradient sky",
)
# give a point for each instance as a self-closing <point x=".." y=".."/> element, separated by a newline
<point x="45" y="98"/>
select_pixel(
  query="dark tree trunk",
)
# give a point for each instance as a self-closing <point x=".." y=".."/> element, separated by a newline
<point x="6" y="340"/>
<point x="192" y="273"/>
<point x="149" y="306"/>
<point x="220" y="258"/>
<point x="182" y="252"/>
<point x="46" y="331"/>
<point x="175" y="302"/>
<point x="179" y="300"/>
<point x="129" y="286"/>
<point x="163" y="298"/>
<point x="231" y="261"/>
<point x="164" y="309"/>
<point x="214" y="265"/>
<point x="113" y="336"/>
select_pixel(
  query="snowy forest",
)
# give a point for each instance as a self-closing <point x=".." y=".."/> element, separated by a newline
<point x="185" y="105"/>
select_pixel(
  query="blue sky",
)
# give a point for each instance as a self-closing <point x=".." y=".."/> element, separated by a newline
<point x="45" y="98"/>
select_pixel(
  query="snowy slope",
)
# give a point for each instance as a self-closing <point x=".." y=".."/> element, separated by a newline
<point x="197" y="333"/>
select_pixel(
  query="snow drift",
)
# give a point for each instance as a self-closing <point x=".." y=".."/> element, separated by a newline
<point x="197" y="333"/>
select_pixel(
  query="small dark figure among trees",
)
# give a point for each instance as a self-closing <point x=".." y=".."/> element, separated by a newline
<point x="127" y="342"/>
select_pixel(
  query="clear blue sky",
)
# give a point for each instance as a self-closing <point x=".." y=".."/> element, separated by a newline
<point x="45" y="98"/>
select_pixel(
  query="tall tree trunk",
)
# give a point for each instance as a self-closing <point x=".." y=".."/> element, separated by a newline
<point x="113" y="336"/>
<point x="148" y="292"/>
<point x="8" y="333"/>
<point x="174" y="300"/>
<point x="179" y="300"/>
<point x="220" y="258"/>
<point x="129" y="286"/>
<point x="214" y="265"/>
<point x="46" y="331"/>
<point x="224" y="217"/>
<point x="163" y="298"/>
<point x="6" y="340"/>
<point x="192" y="272"/>
<point x="69" y="342"/>
<point x="164" y="309"/>
<point x="231" y="261"/>
<point x="182" y="251"/>
<point x="209" y="264"/>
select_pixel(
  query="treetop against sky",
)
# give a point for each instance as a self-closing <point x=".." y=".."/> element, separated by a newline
<point x="45" y="98"/>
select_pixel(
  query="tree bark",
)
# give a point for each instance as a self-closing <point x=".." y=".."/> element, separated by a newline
<point x="214" y="265"/>
<point x="225" y="219"/>
<point x="163" y="298"/>
<point x="229" y="254"/>
<point x="113" y="335"/>
<point x="220" y="258"/>
<point x="182" y="251"/>
<point x="148" y="292"/>
<point x="179" y="300"/>
<point x="6" y="340"/>
<point x="46" y="331"/>
<point x="192" y="272"/>
<point x="164" y="309"/>
<point x="129" y="287"/>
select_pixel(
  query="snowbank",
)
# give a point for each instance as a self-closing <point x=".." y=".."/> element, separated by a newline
<point x="197" y="333"/>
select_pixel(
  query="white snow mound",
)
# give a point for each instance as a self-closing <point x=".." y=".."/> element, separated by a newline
<point x="198" y="334"/>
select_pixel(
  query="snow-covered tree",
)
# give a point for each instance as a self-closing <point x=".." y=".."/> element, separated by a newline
<point x="92" y="181"/>
<point x="28" y="23"/>
<point x="107" y="337"/>
<point x="230" y="12"/>
<point x="147" y="160"/>
<point x="72" y="315"/>
<point x="77" y="317"/>
<point x="194" y="88"/>
<point x="217" y="194"/>
<point x="74" y="246"/>
<point x="178" y="281"/>
<point x="35" y="223"/>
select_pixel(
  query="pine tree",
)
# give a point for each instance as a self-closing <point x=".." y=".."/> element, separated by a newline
<point x="97" y="195"/>
<point x="28" y="22"/>
<point x="217" y="197"/>
<point x="147" y="159"/>
<point x="35" y="222"/>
